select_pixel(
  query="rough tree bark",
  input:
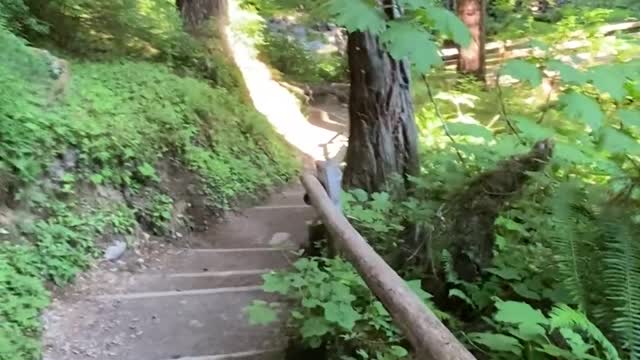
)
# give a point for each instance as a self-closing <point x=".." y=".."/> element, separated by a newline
<point x="473" y="212"/>
<point x="383" y="134"/>
<point x="472" y="58"/>
<point x="196" y="12"/>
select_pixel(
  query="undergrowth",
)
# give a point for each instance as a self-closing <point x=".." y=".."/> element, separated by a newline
<point x="286" y="55"/>
<point x="141" y="92"/>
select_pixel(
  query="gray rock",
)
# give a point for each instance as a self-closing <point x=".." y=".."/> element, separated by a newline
<point x="116" y="250"/>
<point x="70" y="159"/>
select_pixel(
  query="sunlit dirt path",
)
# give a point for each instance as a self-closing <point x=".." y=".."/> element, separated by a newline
<point x="280" y="106"/>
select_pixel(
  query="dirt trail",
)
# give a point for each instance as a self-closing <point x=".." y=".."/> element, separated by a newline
<point x="187" y="301"/>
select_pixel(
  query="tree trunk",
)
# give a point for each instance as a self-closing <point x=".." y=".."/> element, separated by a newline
<point x="196" y="12"/>
<point x="383" y="134"/>
<point x="472" y="59"/>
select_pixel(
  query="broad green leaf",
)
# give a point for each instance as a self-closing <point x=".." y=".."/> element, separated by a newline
<point x="274" y="283"/>
<point x="416" y="287"/>
<point x="398" y="351"/>
<point x="523" y="71"/>
<point x="462" y="296"/>
<point x="568" y="73"/>
<point x="556" y="352"/>
<point x="520" y="313"/>
<point x="618" y="142"/>
<point x="357" y="15"/>
<point x="505" y="273"/>
<point x="524" y="291"/>
<point x="310" y="302"/>
<point x="314" y="326"/>
<point x="529" y="321"/>
<point x="465" y="129"/>
<point x="509" y="224"/>
<point x="529" y="332"/>
<point x="539" y="44"/>
<point x="609" y="79"/>
<point x="571" y="153"/>
<point x="508" y="145"/>
<point x="531" y="130"/>
<point x="415" y="4"/>
<point x="381" y="201"/>
<point x="406" y="40"/>
<point x="497" y="342"/>
<point x="260" y="313"/>
<point x="360" y="195"/>
<point x="96" y="179"/>
<point x="584" y="108"/>
<point x="629" y="117"/>
<point x="342" y="314"/>
<point x="449" y="24"/>
<point x="147" y="170"/>
<point x="341" y="292"/>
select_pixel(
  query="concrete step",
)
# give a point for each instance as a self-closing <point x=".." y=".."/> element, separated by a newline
<point x="158" y="326"/>
<point x="230" y="259"/>
<point x="292" y="198"/>
<point x="141" y="283"/>
<point x="247" y="355"/>
<point x="259" y="227"/>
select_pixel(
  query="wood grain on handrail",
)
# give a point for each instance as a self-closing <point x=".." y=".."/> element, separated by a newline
<point x="430" y="338"/>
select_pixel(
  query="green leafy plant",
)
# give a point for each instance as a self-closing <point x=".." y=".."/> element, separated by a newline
<point x="528" y="334"/>
<point x="159" y="213"/>
<point x="333" y="307"/>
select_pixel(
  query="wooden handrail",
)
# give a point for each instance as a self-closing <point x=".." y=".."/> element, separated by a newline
<point x="429" y="337"/>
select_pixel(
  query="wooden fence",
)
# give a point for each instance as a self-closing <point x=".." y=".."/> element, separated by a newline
<point x="430" y="339"/>
<point x="499" y="51"/>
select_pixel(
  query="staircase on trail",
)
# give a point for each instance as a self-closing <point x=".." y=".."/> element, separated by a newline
<point x="190" y="303"/>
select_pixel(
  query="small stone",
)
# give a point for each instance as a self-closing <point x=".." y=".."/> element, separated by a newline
<point x="196" y="324"/>
<point x="279" y="238"/>
<point x="115" y="251"/>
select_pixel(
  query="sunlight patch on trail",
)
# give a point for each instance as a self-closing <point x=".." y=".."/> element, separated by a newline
<point x="281" y="107"/>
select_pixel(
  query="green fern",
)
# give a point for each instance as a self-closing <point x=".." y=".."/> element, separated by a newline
<point x="622" y="276"/>
<point x="574" y="265"/>
<point x="562" y="316"/>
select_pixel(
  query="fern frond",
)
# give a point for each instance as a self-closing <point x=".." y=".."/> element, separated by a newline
<point x="563" y="316"/>
<point x="570" y="244"/>
<point x="622" y="275"/>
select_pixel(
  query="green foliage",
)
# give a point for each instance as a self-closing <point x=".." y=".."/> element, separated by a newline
<point x="297" y="63"/>
<point x="407" y="36"/>
<point x="159" y="213"/>
<point x="523" y="71"/>
<point x="333" y="307"/>
<point x="48" y="250"/>
<point x="528" y="334"/>
<point x="122" y="117"/>
<point x="15" y="14"/>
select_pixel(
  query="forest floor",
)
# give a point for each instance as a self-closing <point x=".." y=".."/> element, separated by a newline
<point x="187" y="300"/>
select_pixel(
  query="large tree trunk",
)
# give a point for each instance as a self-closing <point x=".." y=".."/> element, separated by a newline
<point x="472" y="58"/>
<point x="383" y="134"/>
<point x="196" y="12"/>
